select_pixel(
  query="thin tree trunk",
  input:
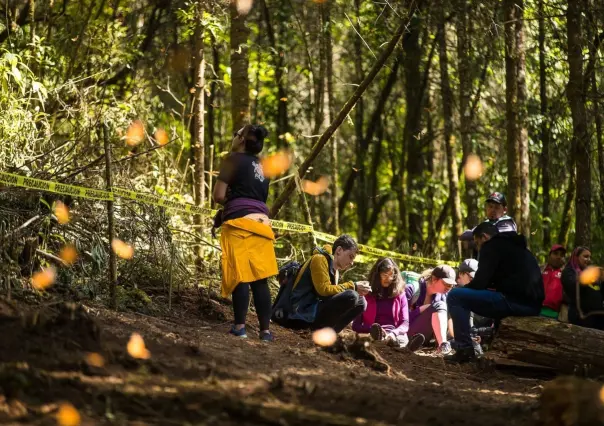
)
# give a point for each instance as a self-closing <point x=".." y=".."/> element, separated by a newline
<point x="110" y="219"/>
<point x="545" y="133"/>
<point x="465" y="117"/>
<point x="576" y="97"/>
<point x="279" y="61"/>
<point x="199" y="146"/>
<point x="319" y="116"/>
<point x="358" y="124"/>
<point x="599" y="138"/>
<point x="240" y="101"/>
<point x="377" y="66"/>
<point x="447" y="102"/>
<point x="212" y="109"/>
<point x="567" y="213"/>
<point x="513" y="28"/>
<point x="521" y="130"/>
<point x="335" y="228"/>
<point x="412" y="134"/>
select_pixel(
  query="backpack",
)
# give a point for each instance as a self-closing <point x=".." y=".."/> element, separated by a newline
<point x="286" y="277"/>
<point x="282" y="306"/>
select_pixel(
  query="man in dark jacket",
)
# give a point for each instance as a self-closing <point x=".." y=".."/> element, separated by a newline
<point x="507" y="267"/>
<point x="496" y="213"/>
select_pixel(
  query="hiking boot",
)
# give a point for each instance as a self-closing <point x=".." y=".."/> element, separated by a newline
<point x="377" y="332"/>
<point x="416" y="342"/>
<point x="238" y="333"/>
<point x="464" y="355"/>
<point x="445" y="348"/>
<point x="267" y="336"/>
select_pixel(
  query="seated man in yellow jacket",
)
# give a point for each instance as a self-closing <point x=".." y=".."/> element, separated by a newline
<point x="317" y="300"/>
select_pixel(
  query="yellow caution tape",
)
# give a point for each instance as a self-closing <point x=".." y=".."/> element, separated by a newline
<point x="56" y="187"/>
<point x="291" y="226"/>
<point x="154" y="200"/>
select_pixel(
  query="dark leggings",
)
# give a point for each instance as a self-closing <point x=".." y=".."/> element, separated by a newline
<point x="262" y="302"/>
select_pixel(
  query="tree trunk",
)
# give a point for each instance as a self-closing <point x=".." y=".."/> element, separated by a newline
<point x="377" y="66"/>
<point x="199" y="146"/>
<point x="565" y="348"/>
<point x="599" y="139"/>
<point x="212" y="112"/>
<point x="447" y="101"/>
<point x="521" y="130"/>
<point x="110" y="219"/>
<point x="576" y="98"/>
<point x="545" y="133"/>
<point x="359" y="113"/>
<point x="278" y="61"/>
<point x="517" y="138"/>
<point x="335" y="226"/>
<point x="240" y="94"/>
<point x="412" y="134"/>
<point x="465" y="117"/>
<point x="567" y="213"/>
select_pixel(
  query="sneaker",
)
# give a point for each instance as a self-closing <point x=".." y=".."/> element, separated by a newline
<point x="416" y="342"/>
<point x="267" y="336"/>
<point x="377" y="332"/>
<point x="239" y="333"/>
<point x="445" y="348"/>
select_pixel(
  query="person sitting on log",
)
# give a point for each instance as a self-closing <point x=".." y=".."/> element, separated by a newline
<point x="248" y="254"/>
<point x="317" y="299"/>
<point x="481" y="327"/>
<point x="387" y="315"/>
<point x="508" y="267"/>
<point x="585" y="297"/>
<point x="496" y="213"/>
<point x="552" y="281"/>
<point x="428" y="309"/>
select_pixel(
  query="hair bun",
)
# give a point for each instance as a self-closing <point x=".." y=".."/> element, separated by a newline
<point x="260" y="132"/>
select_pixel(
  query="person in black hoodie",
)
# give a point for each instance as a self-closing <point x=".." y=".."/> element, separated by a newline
<point x="582" y="299"/>
<point x="507" y="267"/>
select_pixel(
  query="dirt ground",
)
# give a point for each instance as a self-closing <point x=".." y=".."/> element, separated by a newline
<point x="198" y="374"/>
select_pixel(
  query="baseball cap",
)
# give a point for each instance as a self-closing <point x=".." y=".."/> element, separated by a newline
<point x="470" y="266"/>
<point x="446" y="273"/>
<point x="497" y="197"/>
<point x="557" y="247"/>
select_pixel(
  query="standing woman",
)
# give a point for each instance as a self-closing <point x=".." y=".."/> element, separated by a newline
<point x="586" y="297"/>
<point x="248" y="255"/>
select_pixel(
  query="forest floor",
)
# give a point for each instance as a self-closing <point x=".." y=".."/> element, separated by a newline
<point x="198" y="374"/>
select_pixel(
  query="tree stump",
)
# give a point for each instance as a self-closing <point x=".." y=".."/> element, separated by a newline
<point x="563" y="348"/>
<point x="570" y="401"/>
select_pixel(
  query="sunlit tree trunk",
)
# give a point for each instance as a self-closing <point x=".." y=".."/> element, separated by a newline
<point x="447" y="102"/>
<point x="576" y="97"/>
<point x="240" y="101"/>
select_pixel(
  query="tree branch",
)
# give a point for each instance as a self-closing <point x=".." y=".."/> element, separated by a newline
<point x="285" y="195"/>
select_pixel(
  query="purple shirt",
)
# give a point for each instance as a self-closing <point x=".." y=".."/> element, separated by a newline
<point x="414" y="309"/>
<point x="390" y="313"/>
<point x="384" y="311"/>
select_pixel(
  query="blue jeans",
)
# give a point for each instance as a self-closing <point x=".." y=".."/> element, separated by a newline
<point x="491" y="304"/>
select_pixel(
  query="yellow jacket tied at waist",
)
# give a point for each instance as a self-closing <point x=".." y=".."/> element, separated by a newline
<point x="248" y="253"/>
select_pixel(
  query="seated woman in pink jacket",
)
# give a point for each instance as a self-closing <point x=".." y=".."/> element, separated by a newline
<point x="387" y="314"/>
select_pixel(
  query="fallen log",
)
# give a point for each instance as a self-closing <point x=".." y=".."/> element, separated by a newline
<point x="563" y="348"/>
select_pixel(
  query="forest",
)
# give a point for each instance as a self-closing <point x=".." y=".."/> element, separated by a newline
<point x="391" y="121"/>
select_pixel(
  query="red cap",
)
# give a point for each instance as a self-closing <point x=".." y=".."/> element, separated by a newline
<point x="556" y="247"/>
